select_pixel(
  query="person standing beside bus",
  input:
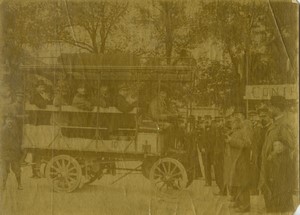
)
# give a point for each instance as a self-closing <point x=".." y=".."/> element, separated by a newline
<point x="10" y="151"/>
<point x="239" y="179"/>
<point x="279" y="155"/>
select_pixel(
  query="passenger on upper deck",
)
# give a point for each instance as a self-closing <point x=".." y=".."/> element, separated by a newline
<point x="103" y="99"/>
<point x="41" y="97"/>
<point x="124" y="101"/>
<point x="60" y="99"/>
<point x="81" y="119"/>
<point x="125" y="104"/>
<point x="158" y="109"/>
<point x="81" y="100"/>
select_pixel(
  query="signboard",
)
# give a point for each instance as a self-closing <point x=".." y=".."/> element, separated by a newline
<point x="264" y="92"/>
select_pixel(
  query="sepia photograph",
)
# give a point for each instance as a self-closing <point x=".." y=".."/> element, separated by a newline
<point x="149" y="107"/>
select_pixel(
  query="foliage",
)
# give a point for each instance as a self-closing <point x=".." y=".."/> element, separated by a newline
<point x="171" y="26"/>
<point x="258" y="37"/>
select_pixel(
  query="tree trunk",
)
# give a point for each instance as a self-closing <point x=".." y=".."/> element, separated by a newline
<point x="94" y="42"/>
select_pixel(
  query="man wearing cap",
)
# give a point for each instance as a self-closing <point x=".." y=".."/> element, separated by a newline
<point x="10" y="151"/>
<point x="279" y="154"/>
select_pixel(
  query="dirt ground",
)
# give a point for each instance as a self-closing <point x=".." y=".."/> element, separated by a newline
<point x="132" y="195"/>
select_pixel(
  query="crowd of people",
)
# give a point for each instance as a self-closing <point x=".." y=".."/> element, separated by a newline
<point x="252" y="156"/>
<point x="249" y="155"/>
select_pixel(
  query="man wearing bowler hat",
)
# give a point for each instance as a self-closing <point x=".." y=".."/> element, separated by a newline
<point x="278" y="156"/>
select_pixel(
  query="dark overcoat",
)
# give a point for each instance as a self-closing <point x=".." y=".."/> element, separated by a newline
<point x="277" y="178"/>
<point x="10" y="143"/>
<point x="239" y="143"/>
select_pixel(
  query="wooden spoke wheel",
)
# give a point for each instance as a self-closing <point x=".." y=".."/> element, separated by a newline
<point x="64" y="173"/>
<point x="168" y="176"/>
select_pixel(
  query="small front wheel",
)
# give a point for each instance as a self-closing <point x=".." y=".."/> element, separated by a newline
<point x="168" y="176"/>
<point x="64" y="173"/>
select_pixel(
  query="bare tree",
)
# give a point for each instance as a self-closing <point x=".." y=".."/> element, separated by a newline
<point x="87" y="25"/>
<point x="170" y="24"/>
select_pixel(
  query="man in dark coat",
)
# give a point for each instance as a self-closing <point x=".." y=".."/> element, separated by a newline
<point x="40" y="99"/>
<point x="219" y="150"/>
<point x="256" y="148"/>
<point x="278" y="156"/>
<point x="125" y="104"/>
<point x="239" y="178"/>
<point x="10" y="151"/>
<point x="207" y="148"/>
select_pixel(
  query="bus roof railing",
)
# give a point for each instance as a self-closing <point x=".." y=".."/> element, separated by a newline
<point x="146" y="73"/>
<point x="97" y="68"/>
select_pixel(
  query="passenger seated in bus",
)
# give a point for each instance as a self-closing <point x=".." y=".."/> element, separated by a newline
<point x="41" y="99"/>
<point x="124" y="101"/>
<point x="159" y="111"/>
<point x="125" y="104"/>
<point x="158" y="108"/>
<point x="81" y="119"/>
<point x="60" y="99"/>
<point x="103" y="99"/>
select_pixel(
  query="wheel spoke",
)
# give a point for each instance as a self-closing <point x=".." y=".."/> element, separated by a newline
<point x="162" y="186"/>
<point x="68" y="163"/>
<point x="176" y="174"/>
<point x="58" y="164"/>
<point x="159" y="181"/>
<point x="55" y="168"/>
<point x="68" y="183"/>
<point x="169" y="167"/>
<point x="71" y="179"/>
<point x="157" y="175"/>
<point x="65" y="163"/>
<point x="159" y="170"/>
<point x="72" y="168"/>
<point x="72" y="174"/>
<point x="164" y="167"/>
<point x="172" y="171"/>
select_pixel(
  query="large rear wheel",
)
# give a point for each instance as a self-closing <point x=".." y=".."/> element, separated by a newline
<point x="168" y="176"/>
<point x="64" y="173"/>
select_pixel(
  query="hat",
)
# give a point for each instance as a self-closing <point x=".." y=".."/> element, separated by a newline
<point x="40" y="83"/>
<point x="9" y="114"/>
<point x="229" y="112"/>
<point x="207" y="117"/>
<point x="218" y="118"/>
<point x="279" y="102"/>
<point x="262" y="108"/>
<point x="252" y="112"/>
<point x="123" y="87"/>
<point x="20" y="94"/>
<point x="239" y="110"/>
